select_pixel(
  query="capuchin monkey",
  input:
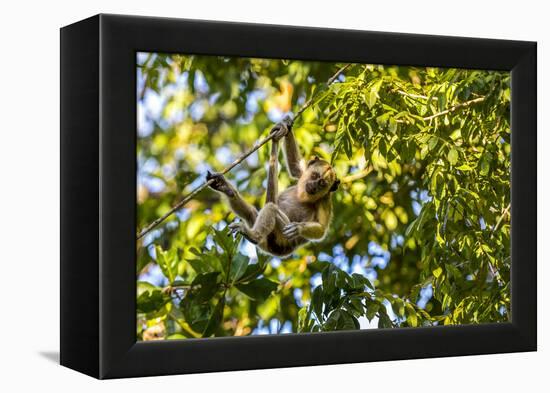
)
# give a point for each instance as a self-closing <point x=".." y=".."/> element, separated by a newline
<point x="296" y="216"/>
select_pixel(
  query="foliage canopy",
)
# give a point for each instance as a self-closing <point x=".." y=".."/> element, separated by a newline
<point x="421" y="228"/>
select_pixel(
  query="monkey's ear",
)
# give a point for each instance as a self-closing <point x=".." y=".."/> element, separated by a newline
<point x="314" y="159"/>
<point x="335" y="185"/>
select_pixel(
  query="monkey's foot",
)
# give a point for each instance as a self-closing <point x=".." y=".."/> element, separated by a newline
<point x="220" y="184"/>
<point x="240" y="227"/>
<point x="292" y="231"/>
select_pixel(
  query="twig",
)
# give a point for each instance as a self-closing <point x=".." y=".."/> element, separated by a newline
<point x="190" y="196"/>
<point x="184" y="326"/>
<point x="328" y="83"/>
<point x="499" y="221"/>
<point x="256" y="146"/>
<point x="403" y="93"/>
<point x="454" y="108"/>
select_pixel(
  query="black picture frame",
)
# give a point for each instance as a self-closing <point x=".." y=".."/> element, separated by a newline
<point x="98" y="193"/>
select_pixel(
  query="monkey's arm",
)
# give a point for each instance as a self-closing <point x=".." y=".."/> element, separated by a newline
<point x="310" y="230"/>
<point x="239" y="206"/>
<point x="243" y="209"/>
<point x="272" y="175"/>
<point x="292" y="155"/>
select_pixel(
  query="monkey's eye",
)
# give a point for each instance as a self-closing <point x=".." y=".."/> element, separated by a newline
<point x="314" y="175"/>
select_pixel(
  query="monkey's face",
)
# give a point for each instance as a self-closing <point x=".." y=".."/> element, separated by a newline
<point x="317" y="180"/>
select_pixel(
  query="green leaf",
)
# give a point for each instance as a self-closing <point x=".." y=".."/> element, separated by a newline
<point x="200" y="265"/>
<point x="144" y="286"/>
<point x="382" y="147"/>
<point x="252" y="272"/>
<point x="384" y="320"/>
<point x="151" y="301"/>
<point x="452" y="156"/>
<point x="359" y="281"/>
<point x="437" y="272"/>
<point x="166" y="265"/>
<point x="412" y="318"/>
<point x="372" y="309"/>
<point x="204" y="286"/>
<point x="224" y="239"/>
<point x="196" y="314"/>
<point x="392" y="125"/>
<point x="341" y="320"/>
<point x="317" y="301"/>
<point x="398" y="307"/>
<point x="432" y="142"/>
<point x="258" y="289"/>
<point x="263" y="259"/>
<point x="464" y="168"/>
<point x="485" y="165"/>
<point x="215" y="319"/>
<point x="329" y="276"/>
<point x="332" y="321"/>
<point x="238" y="267"/>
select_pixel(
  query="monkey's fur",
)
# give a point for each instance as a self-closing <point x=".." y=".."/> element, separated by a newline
<point x="298" y="215"/>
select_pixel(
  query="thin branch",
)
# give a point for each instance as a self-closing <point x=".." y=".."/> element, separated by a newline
<point x="184" y="326"/>
<point x="329" y="82"/>
<point x="190" y="196"/>
<point x="499" y="221"/>
<point x="256" y="146"/>
<point x="454" y="108"/>
<point x="403" y="93"/>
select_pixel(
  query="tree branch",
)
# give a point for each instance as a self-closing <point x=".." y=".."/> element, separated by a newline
<point x="328" y="83"/>
<point x="499" y="221"/>
<point x="403" y="93"/>
<point x="454" y="108"/>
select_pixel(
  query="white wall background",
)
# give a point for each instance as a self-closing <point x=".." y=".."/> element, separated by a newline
<point x="29" y="193"/>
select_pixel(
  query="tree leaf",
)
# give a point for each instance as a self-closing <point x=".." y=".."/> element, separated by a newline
<point x="437" y="272"/>
<point x="258" y="289"/>
<point x="165" y="264"/>
<point x="452" y="156"/>
<point x="238" y="267"/>
<point x="215" y="319"/>
<point x="204" y="286"/>
<point x="151" y="301"/>
<point x="317" y="301"/>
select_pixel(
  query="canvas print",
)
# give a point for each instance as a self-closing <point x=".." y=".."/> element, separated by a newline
<point x="278" y="196"/>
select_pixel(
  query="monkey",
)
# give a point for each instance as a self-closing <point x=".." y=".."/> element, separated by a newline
<point x="300" y="214"/>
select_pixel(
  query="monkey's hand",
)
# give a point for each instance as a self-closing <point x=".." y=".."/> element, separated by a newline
<point x="281" y="129"/>
<point x="241" y="228"/>
<point x="220" y="184"/>
<point x="293" y="230"/>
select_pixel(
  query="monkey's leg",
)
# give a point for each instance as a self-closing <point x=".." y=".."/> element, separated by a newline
<point x="269" y="218"/>
<point x="239" y="206"/>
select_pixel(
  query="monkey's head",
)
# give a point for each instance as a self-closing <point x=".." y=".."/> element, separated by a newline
<point x="317" y="181"/>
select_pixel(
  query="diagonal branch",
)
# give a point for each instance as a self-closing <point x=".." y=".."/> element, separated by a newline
<point x="454" y="108"/>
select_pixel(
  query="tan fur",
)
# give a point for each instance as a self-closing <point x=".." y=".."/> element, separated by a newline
<point x="300" y="214"/>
